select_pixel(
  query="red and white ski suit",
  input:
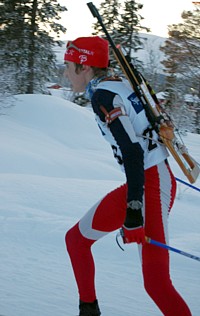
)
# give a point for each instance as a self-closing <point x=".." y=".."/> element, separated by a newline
<point x="149" y="180"/>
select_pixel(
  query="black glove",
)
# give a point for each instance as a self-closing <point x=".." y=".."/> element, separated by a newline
<point x="132" y="230"/>
<point x="134" y="218"/>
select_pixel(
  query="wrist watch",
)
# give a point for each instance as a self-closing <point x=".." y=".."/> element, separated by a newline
<point x="134" y="205"/>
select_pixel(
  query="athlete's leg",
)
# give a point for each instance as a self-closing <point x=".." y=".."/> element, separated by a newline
<point x="106" y="216"/>
<point x="160" y="188"/>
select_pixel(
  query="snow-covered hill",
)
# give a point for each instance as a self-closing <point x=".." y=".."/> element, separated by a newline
<point x="54" y="165"/>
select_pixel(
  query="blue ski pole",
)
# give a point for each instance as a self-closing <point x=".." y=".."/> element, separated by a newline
<point x="159" y="244"/>
<point x="189" y="185"/>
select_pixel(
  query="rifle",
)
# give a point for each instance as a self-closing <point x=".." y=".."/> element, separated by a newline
<point x="157" y="118"/>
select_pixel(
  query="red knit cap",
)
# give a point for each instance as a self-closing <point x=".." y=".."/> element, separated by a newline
<point x="91" y="51"/>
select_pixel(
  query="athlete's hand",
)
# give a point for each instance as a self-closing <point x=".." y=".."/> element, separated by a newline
<point x="130" y="235"/>
<point x="133" y="230"/>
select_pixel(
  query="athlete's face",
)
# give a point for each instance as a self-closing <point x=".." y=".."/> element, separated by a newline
<point x="78" y="78"/>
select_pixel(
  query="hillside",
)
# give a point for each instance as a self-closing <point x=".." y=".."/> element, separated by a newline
<point x="54" y="165"/>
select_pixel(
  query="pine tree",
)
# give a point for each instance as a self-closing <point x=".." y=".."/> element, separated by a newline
<point x="130" y="26"/>
<point x="182" y="63"/>
<point x="123" y="24"/>
<point x="27" y="46"/>
<point x="110" y="12"/>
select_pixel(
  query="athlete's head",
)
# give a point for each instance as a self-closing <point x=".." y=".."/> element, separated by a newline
<point x="91" y="51"/>
<point x="85" y="58"/>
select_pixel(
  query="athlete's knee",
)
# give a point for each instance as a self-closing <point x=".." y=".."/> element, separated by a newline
<point x="75" y="241"/>
<point x="68" y="239"/>
<point x="71" y="238"/>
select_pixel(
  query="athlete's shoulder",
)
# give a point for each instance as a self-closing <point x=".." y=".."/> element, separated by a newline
<point x="102" y="97"/>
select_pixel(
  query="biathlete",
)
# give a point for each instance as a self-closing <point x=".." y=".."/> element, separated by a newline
<point x="141" y="205"/>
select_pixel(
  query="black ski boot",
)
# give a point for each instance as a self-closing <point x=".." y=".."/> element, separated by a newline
<point x="89" y="309"/>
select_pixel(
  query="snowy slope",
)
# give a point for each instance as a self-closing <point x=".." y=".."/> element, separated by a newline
<point x="54" y="165"/>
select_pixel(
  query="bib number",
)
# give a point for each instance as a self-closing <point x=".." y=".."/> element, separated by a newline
<point x="148" y="135"/>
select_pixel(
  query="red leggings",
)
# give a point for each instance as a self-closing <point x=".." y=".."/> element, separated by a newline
<point x="108" y="215"/>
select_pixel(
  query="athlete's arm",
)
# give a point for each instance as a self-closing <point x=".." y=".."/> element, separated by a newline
<point x="124" y="134"/>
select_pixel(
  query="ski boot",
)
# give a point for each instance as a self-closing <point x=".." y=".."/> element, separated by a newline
<point x="89" y="309"/>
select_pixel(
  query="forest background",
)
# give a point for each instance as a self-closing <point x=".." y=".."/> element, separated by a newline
<point x="30" y="33"/>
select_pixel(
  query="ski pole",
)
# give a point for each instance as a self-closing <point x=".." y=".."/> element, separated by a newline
<point x="159" y="244"/>
<point x="189" y="185"/>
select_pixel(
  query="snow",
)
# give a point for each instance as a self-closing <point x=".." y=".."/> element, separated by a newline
<point x="54" y="165"/>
